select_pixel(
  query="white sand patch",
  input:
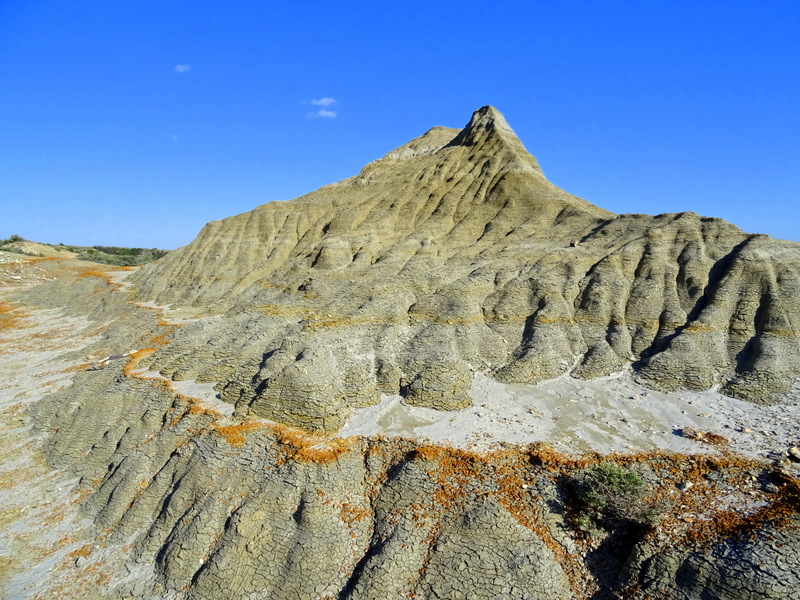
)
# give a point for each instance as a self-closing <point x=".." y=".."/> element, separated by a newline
<point x="176" y="316"/>
<point x="121" y="278"/>
<point x="204" y="393"/>
<point x="610" y="414"/>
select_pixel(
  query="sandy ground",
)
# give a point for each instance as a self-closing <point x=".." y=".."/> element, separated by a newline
<point x="611" y="414"/>
<point x="43" y="536"/>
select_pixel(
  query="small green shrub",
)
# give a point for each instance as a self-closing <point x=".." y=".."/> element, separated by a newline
<point x="609" y="495"/>
<point x="11" y="240"/>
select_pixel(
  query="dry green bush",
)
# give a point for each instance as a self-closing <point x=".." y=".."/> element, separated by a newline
<point x="610" y="495"/>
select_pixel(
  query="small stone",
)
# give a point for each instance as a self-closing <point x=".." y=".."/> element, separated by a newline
<point x="685" y="485"/>
<point x="692" y="433"/>
<point x="794" y="453"/>
<point x="771" y="488"/>
<point x="746" y="430"/>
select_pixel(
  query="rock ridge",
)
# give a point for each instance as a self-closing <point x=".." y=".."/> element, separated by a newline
<point x="453" y="255"/>
<point x="187" y="502"/>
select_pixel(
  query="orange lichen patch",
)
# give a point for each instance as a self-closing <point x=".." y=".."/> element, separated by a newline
<point x="104" y="273"/>
<point x="707" y="437"/>
<point x="77" y="368"/>
<point x="728" y="523"/>
<point x="134" y="358"/>
<point x="714" y="439"/>
<point x="160" y="339"/>
<point x="38" y="259"/>
<point x="509" y="469"/>
<point x="198" y="409"/>
<point x="176" y="419"/>
<point x="350" y="513"/>
<point x="166" y="329"/>
<point x="190" y="406"/>
<point x="455" y="472"/>
<point x="94" y="273"/>
<point x="11" y="316"/>
<point x="543" y="455"/>
<point x="83" y="551"/>
<point x="303" y="446"/>
<point x="84" y="493"/>
<point x="235" y="434"/>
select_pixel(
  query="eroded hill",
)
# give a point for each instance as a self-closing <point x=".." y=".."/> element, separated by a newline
<point x="445" y="268"/>
<point x="453" y="255"/>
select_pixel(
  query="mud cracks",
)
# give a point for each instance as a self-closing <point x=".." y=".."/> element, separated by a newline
<point x="187" y="502"/>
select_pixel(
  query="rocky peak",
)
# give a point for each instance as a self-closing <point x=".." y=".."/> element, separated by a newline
<point x="489" y="133"/>
<point x="487" y="137"/>
<point x="452" y="256"/>
<point x="485" y="122"/>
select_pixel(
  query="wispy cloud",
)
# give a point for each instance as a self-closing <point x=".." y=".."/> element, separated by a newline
<point x="183" y="68"/>
<point x="325" y="114"/>
<point x="324" y="102"/>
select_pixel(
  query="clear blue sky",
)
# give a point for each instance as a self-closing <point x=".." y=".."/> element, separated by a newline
<point x="134" y="123"/>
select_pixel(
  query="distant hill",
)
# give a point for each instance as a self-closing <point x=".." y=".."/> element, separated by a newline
<point x="109" y="255"/>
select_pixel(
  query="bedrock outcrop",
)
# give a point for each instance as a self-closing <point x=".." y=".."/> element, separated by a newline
<point x="187" y="502"/>
<point x="454" y="255"/>
<point x="209" y="508"/>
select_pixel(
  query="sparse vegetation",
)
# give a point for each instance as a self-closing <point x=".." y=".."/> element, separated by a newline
<point x="113" y="255"/>
<point x="610" y="495"/>
<point x="109" y="255"/>
<point x="6" y="246"/>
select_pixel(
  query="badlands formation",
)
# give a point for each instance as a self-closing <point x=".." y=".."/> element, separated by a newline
<point x="410" y="384"/>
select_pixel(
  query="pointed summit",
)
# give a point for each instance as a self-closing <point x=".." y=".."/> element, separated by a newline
<point x="485" y="121"/>
<point x="487" y="136"/>
<point x="490" y="133"/>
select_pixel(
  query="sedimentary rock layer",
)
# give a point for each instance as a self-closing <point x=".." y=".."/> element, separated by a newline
<point x="251" y="509"/>
<point x="454" y="255"/>
<point x="187" y="503"/>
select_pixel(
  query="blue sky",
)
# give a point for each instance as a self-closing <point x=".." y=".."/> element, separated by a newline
<point x="134" y="123"/>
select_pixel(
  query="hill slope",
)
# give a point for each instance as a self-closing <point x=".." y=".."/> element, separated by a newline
<point x="108" y="255"/>
<point x="447" y="263"/>
<point x="453" y="255"/>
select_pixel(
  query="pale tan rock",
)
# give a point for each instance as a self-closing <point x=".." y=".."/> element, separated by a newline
<point x="453" y="255"/>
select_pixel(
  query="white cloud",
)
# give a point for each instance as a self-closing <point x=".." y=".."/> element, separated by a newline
<point x="183" y="68"/>
<point x="325" y="114"/>
<point x="324" y="102"/>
